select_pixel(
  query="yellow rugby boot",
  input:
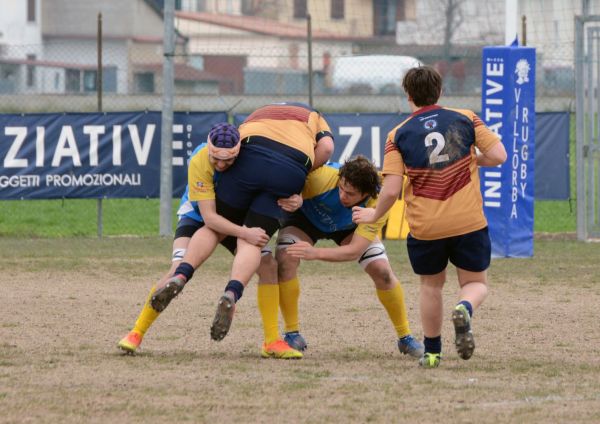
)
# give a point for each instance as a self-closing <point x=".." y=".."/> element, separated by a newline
<point x="430" y="360"/>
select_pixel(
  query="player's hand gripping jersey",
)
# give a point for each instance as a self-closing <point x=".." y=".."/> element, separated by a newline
<point x="322" y="206"/>
<point x="435" y="148"/>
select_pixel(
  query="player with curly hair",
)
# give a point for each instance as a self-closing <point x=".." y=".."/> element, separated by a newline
<point x="329" y="195"/>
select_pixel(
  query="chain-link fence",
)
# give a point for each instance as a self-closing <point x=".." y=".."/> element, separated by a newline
<point x="240" y="54"/>
<point x="243" y="54"/>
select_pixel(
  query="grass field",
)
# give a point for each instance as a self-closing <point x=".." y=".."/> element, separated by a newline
<point x="67" y="301"/>
<point x="140" y="217"/>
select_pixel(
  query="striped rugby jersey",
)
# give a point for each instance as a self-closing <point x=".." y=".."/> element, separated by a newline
<point x="435" y="149"/>
<point x="293" y="124"/>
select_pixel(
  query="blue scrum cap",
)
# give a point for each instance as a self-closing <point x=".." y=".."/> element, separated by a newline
<point x="224" y="136"/>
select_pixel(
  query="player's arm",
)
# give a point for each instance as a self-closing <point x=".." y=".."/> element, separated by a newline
<point x="324" y="139"/>
<point x="323" y="151"/>
<point x="393" y="170"/>
<point x="221" y="225"/>
<point x="292" y="203"/>
<point x="495" y="156"/>
<point x="202" y="190"/>
<point x="392" y="188"/>
<point x="348" y="252"/>
<point x="491" y="149"/>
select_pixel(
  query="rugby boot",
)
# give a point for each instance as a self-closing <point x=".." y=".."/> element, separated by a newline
<point x="430" y="360"/>
<point x="130" y="342"/>
<point x="163" y="296"/>
<point x="408" y="345"/>
<point x="223" y="317"/>
<point x="465" y="344"/>
<point x="279" y="350"/>
<point x="295" y="340"/>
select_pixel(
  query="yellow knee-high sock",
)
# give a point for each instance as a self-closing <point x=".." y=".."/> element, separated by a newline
<point x="147" y="316"/>
<point x="268" y="305"/>
<point x="393" y="302"/>
<point x="289" y="293"/>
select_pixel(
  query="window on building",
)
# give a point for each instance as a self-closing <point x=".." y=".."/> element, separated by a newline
<point x="200" y="5"/>
<point x="144" y="82"/>
<point x="300" y="9"/>
<point x="109" y="79"/>
<point x="386" y="13"/>
<point x="401" y="10"/>
<point x="177" y="4"/>
<point x="89" y="80"/>
<point x="337" y="9"/>
<point x="73" y="80"/>
<point x="31" y="71"/>
<point x="31" y="10"/>
<point x="8" y="78"/>
<point x="248" y="8"/>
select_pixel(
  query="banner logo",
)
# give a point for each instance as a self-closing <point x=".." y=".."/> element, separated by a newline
<point x="522" y="70"/>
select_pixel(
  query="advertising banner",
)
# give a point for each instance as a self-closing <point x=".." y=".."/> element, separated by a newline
<point x="508" y="108"/>
<point x="94" y="155"/>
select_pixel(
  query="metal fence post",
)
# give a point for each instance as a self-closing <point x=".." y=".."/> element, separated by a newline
<point x="310" y="63"/>
<point x="580" y="133"/>
<point x="166" y="148"/>
<point x="100" y="218"/>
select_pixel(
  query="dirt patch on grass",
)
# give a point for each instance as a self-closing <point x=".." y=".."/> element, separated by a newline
<point x="536" y="357"/>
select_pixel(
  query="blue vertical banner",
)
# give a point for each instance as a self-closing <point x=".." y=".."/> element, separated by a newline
<point x="508" y="108"/>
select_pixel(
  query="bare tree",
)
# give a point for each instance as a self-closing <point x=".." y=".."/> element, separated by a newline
<point x="454" y="17"/>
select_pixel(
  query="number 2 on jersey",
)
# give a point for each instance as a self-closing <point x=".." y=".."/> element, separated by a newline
<point x="440" y="142"/>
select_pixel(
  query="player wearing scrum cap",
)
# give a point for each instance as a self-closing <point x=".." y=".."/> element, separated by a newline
<point x="192" y="238"/>
<point x="282" y="143"/>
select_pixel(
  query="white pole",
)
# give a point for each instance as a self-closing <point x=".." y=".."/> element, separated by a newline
<point x="510" y="20"/>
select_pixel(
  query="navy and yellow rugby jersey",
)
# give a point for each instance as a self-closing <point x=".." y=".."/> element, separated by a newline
<point x="293" y="124"/>
<point x="202" y="175"/>
<point x="435" y="149"/>
<point x="322" y="206"/>
<point x="205" y="182"/>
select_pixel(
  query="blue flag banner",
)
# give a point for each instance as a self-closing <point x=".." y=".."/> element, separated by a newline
<point x="508" y="108"/>
<point x="552" y="180"/>
<point x="94" y="155"/>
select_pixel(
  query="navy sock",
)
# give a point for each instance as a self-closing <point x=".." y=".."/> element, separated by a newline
<point x="186" y="270"/>
<point x="237" y="288"/>
<point x="433" y="344"/>
<point x="467" y="305"/>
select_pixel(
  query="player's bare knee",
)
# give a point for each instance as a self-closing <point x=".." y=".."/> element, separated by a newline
<point x="383" y="279"/>
<point x="287" y="267"/>
<point x="267" y="270"/>
<point x="286" y="264"/>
